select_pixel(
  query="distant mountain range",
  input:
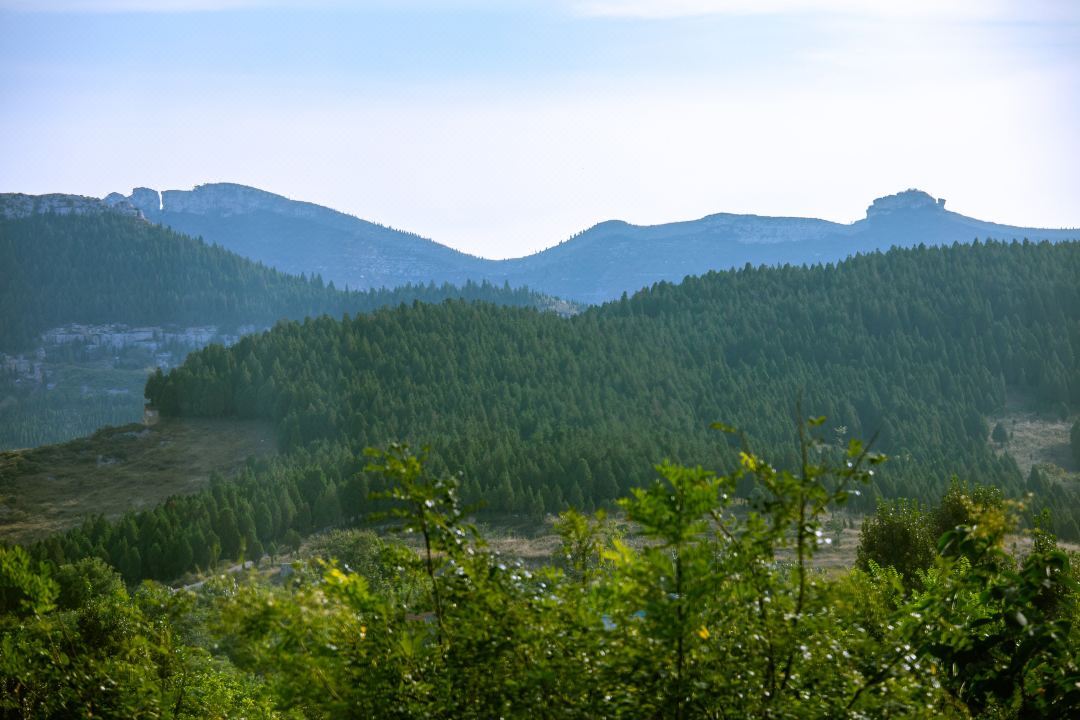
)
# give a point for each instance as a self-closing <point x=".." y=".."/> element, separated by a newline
<point x="597" y="265"/>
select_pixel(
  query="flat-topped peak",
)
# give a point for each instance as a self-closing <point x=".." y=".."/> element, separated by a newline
<point x="906" y="201"/>
<point x="225" y="198"/>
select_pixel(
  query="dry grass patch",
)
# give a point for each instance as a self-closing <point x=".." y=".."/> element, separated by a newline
<point x="1034" y="439"/>
<point x="52" y="488"/>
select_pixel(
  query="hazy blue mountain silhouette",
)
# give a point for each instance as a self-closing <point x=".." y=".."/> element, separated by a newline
<point x="597" y="265"/>
<point x="300" y="237"/>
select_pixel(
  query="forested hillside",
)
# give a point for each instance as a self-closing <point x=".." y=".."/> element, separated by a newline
<point x="111" y="268"/>
<point x="913" y="346"/>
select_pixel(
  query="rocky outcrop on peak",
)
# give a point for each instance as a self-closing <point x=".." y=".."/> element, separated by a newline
<point x="18" y="205"/>
<point x="222" y="200"/>
<point x="908" y="201"/>
<point x="147" y="200"/>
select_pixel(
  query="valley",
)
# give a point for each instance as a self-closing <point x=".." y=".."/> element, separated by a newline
<point x="91" y="371"/>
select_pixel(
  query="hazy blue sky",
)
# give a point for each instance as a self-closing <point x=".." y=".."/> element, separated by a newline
<point x="501" y="127"/>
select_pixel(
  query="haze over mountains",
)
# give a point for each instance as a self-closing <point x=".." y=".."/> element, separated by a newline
<point x="596" y="265"/>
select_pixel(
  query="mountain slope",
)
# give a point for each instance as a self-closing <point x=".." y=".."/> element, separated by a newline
<point x="594" y="266"/>
<point x="299" y="237"/>
<point x="100" y="266"/>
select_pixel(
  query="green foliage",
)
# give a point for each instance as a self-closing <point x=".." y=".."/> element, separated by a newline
<point x="904" y="536"/>
<point x="666" y="585"/>
<point x="717" y="614"/>
<point x="360" y="551"/>
<point x="987" y="624"/>
<point x="292" y="539"/>
<point x="25" y="588"/>
<point x="897" y="536"/>
<point x="427" y="505"/>
<point x="961" y="504"/>
<point x="583" y="539"/>
<point x="87" y="580"/>
<point x="117" y="655"/>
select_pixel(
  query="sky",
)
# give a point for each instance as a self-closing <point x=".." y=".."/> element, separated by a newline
<point x="501" y="127"/>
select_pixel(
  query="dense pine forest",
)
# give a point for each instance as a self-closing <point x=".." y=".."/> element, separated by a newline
<point x="111" y="268"/>
<point x="913" y="347"/>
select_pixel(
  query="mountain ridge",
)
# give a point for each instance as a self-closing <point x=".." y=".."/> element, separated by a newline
<point x="593" y="266"/>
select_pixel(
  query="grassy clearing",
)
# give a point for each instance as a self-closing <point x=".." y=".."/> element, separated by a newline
<point x="539" y="544"/>
<point x="52" y="488"/>
<point x="1035" y="439"/>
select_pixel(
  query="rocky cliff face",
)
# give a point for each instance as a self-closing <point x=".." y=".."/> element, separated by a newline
<point x="226" y="200"/>
<point x="148" y="201"/>
<point x="18" y="205"/>
<point x="222" y="199"/>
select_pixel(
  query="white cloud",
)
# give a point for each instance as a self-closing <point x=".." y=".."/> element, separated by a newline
<point x="913" y="9"/>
